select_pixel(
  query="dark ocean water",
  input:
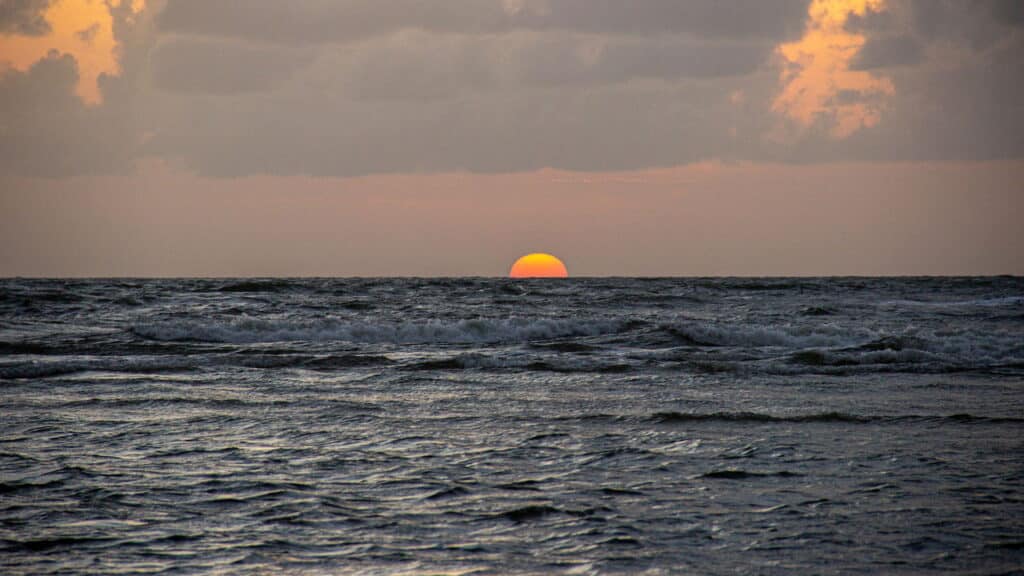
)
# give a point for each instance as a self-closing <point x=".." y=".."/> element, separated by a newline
<point x="700" y="426"/>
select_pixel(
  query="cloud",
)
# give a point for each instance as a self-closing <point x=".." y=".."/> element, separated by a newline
<point x="415" y="65"/>
<point x="776" y="20"/>
<point x="360" y="87"/>
<point x="412" y="65"/>
<point x="887" y="51"/>
<point x="25" y="17"/>
<point x="320" y="21"/>
<point x="679" y="58"/>
<point x="88" y="34"/>
<point x="1010" y="12"/>
<point x="487" y="132"/>
<point x="972" y="111"/>
<point x="82" y="28"/>
<point x="979" y="24"/>
<point x="198" y="65"/>
<point x="818" y="81"/>
<point x="47" y="130"/>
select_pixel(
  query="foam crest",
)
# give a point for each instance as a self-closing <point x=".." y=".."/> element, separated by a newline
<point x="477" y="331"/>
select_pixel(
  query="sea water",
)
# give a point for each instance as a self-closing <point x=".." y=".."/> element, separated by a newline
<point x="698" y="426"/>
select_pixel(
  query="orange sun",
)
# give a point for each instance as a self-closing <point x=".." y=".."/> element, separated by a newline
<point x="538" y="265"/>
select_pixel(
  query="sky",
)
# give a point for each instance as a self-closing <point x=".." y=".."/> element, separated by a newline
<point x="450" y="137"/>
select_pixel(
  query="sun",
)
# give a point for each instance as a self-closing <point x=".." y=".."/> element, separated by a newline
<point x="538" y="265"/>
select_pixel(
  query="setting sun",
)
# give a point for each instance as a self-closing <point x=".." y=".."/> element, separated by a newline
<point x="538" y="265"/>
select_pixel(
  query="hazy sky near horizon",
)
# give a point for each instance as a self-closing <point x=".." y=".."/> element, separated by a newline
<point x="412" y="137"/>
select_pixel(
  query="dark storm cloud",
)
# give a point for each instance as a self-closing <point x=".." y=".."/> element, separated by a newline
<point x="24" y="17"/>
<point x="317" y="21"/>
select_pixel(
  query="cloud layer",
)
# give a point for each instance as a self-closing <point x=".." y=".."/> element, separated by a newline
<point x="232" y="87"/>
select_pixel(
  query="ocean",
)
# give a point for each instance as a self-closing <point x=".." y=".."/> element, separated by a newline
<point x="493" y="426"/>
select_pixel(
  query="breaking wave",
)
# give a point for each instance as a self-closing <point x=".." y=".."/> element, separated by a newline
<point x="708" y="347"/>
<point x="703" y="334"/>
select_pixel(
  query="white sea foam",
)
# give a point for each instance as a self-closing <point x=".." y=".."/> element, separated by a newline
<point x="251" y="330"/>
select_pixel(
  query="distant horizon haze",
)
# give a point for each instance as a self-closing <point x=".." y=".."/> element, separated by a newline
<point x="899" y="219"/>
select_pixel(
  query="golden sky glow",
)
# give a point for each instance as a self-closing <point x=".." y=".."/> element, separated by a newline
<point x="81" y="28"/>
<point x="538" y="265"/>
<point x="817" y="82"/>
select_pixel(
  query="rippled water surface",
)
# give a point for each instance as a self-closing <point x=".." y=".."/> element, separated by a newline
<point x="700" y="426"/>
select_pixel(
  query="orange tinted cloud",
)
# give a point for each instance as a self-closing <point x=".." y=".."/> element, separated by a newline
<point x="817" y="83"/>
<point x="81" y="28"/>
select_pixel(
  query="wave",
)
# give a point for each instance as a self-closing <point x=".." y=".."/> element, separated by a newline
<point x="833" y="417"/>
<point x="977" y="302"/>
<point x="149" y="365"/>
<point x="532" y="512"/>
<point x="735" y="474"/>
<point x="51" y="369"/>
<point x="65" y="542"/>
<point x="478" y="331"/>
<point x="259" y="285"/>
<point x="826" y="347"/>
<point x="838" y="417"/>
<point x="473" y="361"/>
<point x="817" y="311"/>
<point x="938" y="351"/>
<point x="840" y="359"/>
<point x="528" y="513"/>
<point x="824" y="417"/>
<point x="702" y="334"/>
<point x="35" y="369"/>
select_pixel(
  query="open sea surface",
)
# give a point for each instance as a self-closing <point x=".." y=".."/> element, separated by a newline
<point x="335" y="426"/>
